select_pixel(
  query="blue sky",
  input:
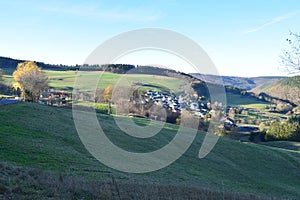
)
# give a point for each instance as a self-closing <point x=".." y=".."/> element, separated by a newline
<point x="243" y="38"/>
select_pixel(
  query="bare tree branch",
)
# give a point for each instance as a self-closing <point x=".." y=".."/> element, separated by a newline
<point x="290" y="59"/>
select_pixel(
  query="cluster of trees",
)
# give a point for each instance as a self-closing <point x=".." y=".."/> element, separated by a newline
<point x="291" y="81"/>
<point x="114" y="68"/>
<point x="140" y="69"/>
<point x="235" y="90"/>
<point x="283" y="131"/>
<point x="290" y="89"/>
<point x="279" y="105"/>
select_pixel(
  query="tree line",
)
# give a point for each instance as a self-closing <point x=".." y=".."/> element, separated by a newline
<point x="9" y="63"/>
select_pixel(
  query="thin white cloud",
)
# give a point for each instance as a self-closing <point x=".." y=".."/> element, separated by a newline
<point x="115" y="14"/>
<point x="273" y="21"/>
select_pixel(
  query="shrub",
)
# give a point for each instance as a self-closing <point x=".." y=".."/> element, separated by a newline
<point x="101" y="108"/>
<point x="257" y="136"/>
<point x="178" y="121"/>
<point x="262" y="127"/>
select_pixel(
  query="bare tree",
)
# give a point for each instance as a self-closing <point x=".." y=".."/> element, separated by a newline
<point x="33" y="83"/>
<point x="291" y="57"/>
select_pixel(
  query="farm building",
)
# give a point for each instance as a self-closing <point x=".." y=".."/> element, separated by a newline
<point x="55" y="98"/>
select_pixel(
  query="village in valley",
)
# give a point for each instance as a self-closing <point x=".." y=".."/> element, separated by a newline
<point x="199" y="107"/>
<point x="142" y="100"/>
<point x="236" y="122"/>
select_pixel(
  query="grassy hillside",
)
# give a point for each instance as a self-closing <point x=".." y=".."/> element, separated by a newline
<point x="64" y="80"/>
<point x="291" y="145"/>
<point x="237" y="100"/>
<point x="36" y="139"/>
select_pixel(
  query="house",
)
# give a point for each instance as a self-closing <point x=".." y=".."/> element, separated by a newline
<point x="194" y="106"/>
<point x="52" y="98"/>
<point x="183" y="105"/>
<point x="229" y="124"/>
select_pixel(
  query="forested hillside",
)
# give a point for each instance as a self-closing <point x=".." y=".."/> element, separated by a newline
<point x="286" y="89"/>
<point x="9" y="65"/>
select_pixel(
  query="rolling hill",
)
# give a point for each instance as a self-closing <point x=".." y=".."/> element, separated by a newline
<point x="9" y="65"/>
<point x="247" y="83"/>
<point x="41" y="156"/>
<point x="61" y="78"/>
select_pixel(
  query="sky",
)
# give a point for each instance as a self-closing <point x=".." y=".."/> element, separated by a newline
<point x="242" y="38"/>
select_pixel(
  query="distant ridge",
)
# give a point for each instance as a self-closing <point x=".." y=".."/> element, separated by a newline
<point x="247" y="83"/>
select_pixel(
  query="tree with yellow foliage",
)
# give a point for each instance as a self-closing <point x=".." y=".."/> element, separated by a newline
<point x="30" y="80"/>
<point x="107" y="96"/>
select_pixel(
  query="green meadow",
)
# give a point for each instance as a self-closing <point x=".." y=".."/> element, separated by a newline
<point x="43" y="139"/>
<point x="236" y="100"/>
